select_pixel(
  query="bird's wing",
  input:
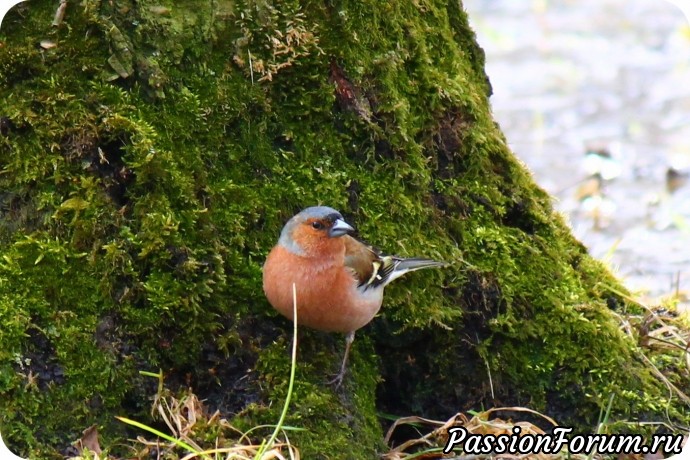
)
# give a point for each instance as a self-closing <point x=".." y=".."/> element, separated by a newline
<point x="372" y="269"/>
<point x="364" y="261"/>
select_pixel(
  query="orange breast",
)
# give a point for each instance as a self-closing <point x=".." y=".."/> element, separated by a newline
<point x="327" y="294"/>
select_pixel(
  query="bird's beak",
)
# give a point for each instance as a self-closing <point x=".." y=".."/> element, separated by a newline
<point x="340" y="228"/>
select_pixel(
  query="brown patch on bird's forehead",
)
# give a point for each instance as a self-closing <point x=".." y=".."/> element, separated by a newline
<point x="329" y="218"/>
<point x="311" y="220"/>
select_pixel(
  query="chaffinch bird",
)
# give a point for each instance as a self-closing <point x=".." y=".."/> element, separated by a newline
<point x="339" y="279"/>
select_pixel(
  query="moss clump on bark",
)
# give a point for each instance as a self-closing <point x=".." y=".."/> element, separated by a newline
<point x="150" y="158"/>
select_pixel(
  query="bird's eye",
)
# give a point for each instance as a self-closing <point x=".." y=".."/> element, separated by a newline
<point x="317" y="225"/>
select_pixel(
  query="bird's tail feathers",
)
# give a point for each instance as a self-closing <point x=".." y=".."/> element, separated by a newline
<point x="398" y="267"/>
<point x="417" y="263"/>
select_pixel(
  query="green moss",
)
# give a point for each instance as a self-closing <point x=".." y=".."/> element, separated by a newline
<point x="151" y="158"/>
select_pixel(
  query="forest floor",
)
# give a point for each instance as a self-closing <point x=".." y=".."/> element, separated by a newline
<point x="601" y="75"/>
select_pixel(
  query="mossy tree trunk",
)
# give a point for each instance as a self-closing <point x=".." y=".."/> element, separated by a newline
<point x="151" y="152"/>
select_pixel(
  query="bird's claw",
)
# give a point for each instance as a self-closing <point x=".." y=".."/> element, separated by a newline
<point x="337" y="381"/>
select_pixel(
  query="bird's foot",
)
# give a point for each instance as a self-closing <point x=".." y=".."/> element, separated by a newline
<point x="337" y="381"/>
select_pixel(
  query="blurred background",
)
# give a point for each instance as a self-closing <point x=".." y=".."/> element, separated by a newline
<point x="594" y="96"/>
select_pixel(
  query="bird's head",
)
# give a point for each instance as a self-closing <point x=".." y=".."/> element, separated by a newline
<point x="313" y="228"/>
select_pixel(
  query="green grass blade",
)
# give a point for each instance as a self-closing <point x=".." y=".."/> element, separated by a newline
<point x="293" y="367"/>
<point x="160" y="434"/>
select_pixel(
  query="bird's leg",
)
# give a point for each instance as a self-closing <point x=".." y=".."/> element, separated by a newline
<point x="338" y="380"/>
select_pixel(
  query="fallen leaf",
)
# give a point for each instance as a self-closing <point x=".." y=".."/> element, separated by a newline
<point x="48" y="44"/>
<point x="89" y="440"/>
